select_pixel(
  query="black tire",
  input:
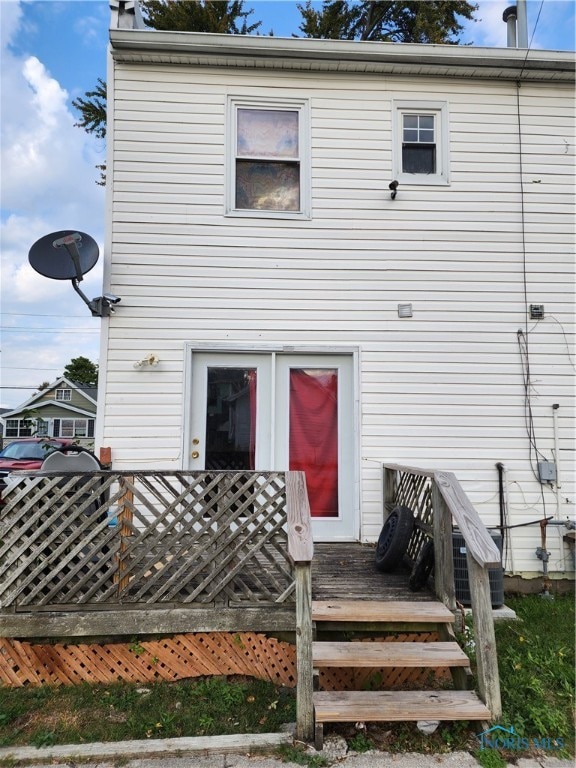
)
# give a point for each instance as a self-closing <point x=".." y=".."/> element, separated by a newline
<point x="394" y="538"/>
<point x="422" y="567"/>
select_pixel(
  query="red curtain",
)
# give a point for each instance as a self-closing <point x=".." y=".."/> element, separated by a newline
<point x="314" y="436"/>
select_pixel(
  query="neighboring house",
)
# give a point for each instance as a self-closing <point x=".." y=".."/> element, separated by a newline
<point x="63" y="409"/>
<point x="299" y="313"/>
<point x="2" y="412"/>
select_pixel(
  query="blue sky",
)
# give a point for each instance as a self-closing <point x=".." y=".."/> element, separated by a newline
<point x="51" y="53"/>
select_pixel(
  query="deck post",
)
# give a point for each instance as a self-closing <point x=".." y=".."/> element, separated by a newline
<point x="443" y="552"/>
<point x="304" y="663"/>
<point x="389" y="490"/>
<point x="124" y="517"/>
<point x="485" y="638"/>
<point x="301" y="551"/>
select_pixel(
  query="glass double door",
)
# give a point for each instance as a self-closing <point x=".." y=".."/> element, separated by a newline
<point x="280" y="411"/>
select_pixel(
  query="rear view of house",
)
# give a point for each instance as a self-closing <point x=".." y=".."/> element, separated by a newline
<point x="336" y="255"/>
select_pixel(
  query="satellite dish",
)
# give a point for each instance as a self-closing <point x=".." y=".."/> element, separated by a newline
<point x="69" y="255"/>
<point x="64" y="255"/>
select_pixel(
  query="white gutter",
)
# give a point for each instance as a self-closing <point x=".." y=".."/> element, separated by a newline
<point x="247" y="51"/>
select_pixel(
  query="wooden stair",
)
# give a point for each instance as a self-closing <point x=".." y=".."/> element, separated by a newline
<point x="390" y="706"/>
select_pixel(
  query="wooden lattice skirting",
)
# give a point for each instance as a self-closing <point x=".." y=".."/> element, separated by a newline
<point x="186" y="656"/>
<point x="175" y="658"/>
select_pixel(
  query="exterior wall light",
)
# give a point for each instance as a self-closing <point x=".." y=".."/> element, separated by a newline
<point x="150" y="359"/>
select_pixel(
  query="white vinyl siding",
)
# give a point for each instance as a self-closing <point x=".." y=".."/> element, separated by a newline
<point x="442" y="389"/>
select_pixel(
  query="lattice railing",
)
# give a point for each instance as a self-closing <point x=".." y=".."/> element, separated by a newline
<point x="154" y="539"/>
<point x="415" y="492"/>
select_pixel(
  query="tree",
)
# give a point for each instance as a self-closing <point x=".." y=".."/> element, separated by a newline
<point x="93" y="111"/>
<point x="217" y="16"/>
<point x="226" y="17"/>
<point x="80" y="370"/>
<point x="398" y="21"/>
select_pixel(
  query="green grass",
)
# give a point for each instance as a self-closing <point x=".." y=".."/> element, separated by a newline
<point x="536" y="664"/>
<point x="85" y="713"/>
<point x="536" y="660"/>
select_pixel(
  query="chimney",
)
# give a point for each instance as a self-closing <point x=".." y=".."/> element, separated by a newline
<point x="125" y="14"/>
<point x="522" y="25"/>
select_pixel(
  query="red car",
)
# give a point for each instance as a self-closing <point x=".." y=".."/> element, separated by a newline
<point x="28" y="453"/>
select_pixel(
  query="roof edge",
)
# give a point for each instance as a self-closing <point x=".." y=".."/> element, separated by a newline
<point x="258" y="51"/>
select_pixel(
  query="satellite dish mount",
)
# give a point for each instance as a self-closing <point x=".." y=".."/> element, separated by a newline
<point x="69" y="255"/>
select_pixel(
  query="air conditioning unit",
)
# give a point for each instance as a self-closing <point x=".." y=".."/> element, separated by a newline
<point x="461" y="582"/>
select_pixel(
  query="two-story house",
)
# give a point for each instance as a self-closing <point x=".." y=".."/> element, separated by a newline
<point x="62" y="409"/>
<point x="335" y="254"/>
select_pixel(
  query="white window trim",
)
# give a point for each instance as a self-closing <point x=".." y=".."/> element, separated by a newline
<point x="74" y="424"/>
<point x="440" y="110"/>
<point x="64" y="395"/>
<point x="304" y="142"/>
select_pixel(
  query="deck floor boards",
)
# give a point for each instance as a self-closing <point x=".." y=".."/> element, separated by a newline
<point x="346" y="571"/>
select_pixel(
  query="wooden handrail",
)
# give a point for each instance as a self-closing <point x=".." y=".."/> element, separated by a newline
<point x="479" y="543"/>
<point x="450" y="503"/>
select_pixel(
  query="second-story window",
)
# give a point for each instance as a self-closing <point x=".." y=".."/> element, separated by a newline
<point x="63" y="394"/>
<point x="420" y="142"/>
<point x="269" y="173"/>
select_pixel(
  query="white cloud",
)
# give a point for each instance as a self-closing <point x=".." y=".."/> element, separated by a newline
<point x="47" y="184"/>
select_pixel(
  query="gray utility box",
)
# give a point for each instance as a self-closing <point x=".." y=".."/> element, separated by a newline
<point x="462" y="584"/>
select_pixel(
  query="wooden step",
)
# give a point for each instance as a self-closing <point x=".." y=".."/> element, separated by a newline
<point x="432" y="654"/>
<point x="389" y="706"/>
<point x="401" y="611"/>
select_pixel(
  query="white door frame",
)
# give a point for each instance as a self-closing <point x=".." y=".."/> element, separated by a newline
<point x="353" y="532"/>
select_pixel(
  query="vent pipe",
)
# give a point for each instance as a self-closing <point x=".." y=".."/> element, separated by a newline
<point x="509" y="16"/>
<point x="517" y="23"/>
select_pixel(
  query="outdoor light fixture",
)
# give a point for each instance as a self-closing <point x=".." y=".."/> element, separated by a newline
<point x="393" y="186"/>
<point x="404" y="310"/>
<point x="150" y="359"/>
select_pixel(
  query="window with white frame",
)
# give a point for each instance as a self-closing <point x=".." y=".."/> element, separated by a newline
<point x="42" y="428"/>
<point x="421" y="142"/>
<point x="63" y="394"/>
<point x="269" y="158"/>
<point x="19" y="428"/>
<point x="74" y="428"/>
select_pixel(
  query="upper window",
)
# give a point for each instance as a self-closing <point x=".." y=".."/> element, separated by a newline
<point x="63" y="394"/>
<point x="420" y="132"/>
<point x="269" y="158"/>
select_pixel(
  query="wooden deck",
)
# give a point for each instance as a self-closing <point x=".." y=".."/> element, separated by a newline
<point x="346" y="571"/>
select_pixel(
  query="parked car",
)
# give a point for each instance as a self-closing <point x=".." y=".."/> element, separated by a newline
<point x="28" y="454"/>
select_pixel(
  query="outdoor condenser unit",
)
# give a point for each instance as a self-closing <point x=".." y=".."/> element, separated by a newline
<point x="462" y="585"/>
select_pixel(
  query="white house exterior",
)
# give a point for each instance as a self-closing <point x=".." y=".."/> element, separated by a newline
<point x="251" y="229"/>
